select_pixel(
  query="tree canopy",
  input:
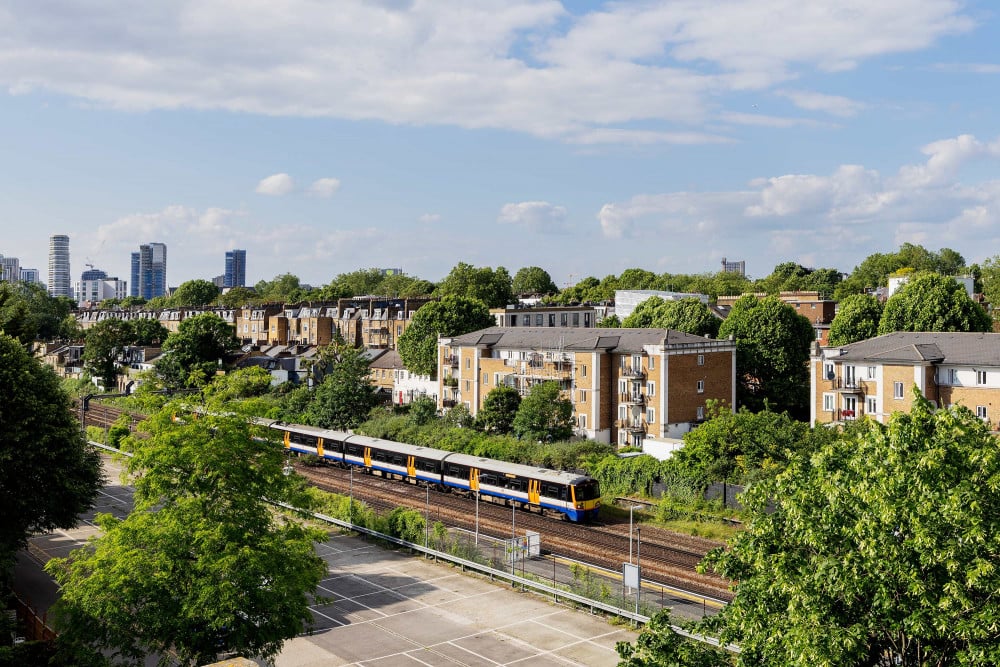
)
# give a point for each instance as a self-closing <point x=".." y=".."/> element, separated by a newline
<point x="28" y="312"/>
<point x="499" y="410"/>
<point x="202" y="565"/>
<point x="344" y="397"/>
<point x="875" y="269"/>
<point x="772" y="348"/>
<point x="195" y="351"/>
<point x="857" y="319"/>
<point x="451" y="316"/>
<point x="194" y="293"/>
<point x="533" y="280"/>
<point x="491" y="286"/>
<point x="375" y="282"/>
<point x="103" y="348"/>
<point x="48" y="473"/>
<point x="285" y="288"/>
<point x="932" y="302"/>
<point x="544" y="415"/>
<point x="862" y="564"/>
<point x="688" y="315"/>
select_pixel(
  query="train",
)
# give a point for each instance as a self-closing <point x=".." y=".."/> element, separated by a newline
<point x="574" y="496"/>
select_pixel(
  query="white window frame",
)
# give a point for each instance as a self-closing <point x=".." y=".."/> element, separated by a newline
<point x="982" y="412"/>
<point x="650" y="415"/>
<point x="897" y="390"/>
<point x="583" y="370"/>
<point x="652" y="362"/>
<point x="701" y="359"/>
<point x="953" y="376"/>
<point x="622" y="413"/>
<point x="980" y="378"/>
<point x="583" y="395"/>
<point x="700" y="412"/>
<point x="871" y="372"/>
<point x="486" y="377"/>
<point x="871" y="405"/>
<point x="583" y="421"/>
<point x="701" y="386"/>
<point x="651" y="389"/>
<point x="829" y="401"/>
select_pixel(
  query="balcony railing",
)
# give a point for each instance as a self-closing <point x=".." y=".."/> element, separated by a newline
<point x="632" y="426"/>
<point x="451" y="360"/>
<point x="448" y="403"/>
<point x="632" y="372"/>
<point x="632" y="399"/>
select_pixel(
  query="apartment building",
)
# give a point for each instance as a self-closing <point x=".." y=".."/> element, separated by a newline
<point x="875" y="377"/>
<point x="811" y="305"/>
<point x="541" y="315"/>
<point x="625" y="384"/>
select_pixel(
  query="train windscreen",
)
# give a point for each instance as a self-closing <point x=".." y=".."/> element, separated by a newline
<point x="588" y="490"/>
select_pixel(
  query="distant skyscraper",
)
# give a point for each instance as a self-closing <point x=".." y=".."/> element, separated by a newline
<point x="59" y="278"/>
<point x="10" y="269"/>
<point x="94" y="274"/>
<point x="734" y="267"/>
<point x="236" y="269"/>
<point x="149" y="271"/>
<point x="31" y="276"/>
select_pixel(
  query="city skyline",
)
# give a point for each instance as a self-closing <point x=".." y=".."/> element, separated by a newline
<point x="584" y="138"/>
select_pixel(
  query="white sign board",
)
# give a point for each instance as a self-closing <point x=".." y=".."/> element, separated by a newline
<point x="534" y="543"/>
<point x="630" y="575"/>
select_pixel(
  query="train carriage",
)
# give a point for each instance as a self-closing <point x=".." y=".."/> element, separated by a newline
<point x="573" y="495"/>
<point x="321" y="442"/>
<point x="410" y="462"/>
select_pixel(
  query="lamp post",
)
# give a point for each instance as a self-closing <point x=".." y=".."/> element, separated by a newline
<point x="638" y="589"/>
<point x="513" y="536"/>
<point x="350" y="508"/>
<point x="427" y="514"/>
<point x="477" y="517"/>
<point x="631" y="509"/>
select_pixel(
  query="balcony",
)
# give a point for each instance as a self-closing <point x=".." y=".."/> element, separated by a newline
<point x="450" y="360"/>
<point x="631" y="372"/>
<point x="631" y="399"/>
<point x="448" y="403"/>
<point x="847" y="385"/>
<point x="632" y="426"/>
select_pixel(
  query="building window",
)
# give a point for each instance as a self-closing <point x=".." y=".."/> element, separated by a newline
<point x="586" y="319"/>
<point x="981" y="412"/>
<point x="701" y="386"/>
<point x="980" y="377"/>
<point x="872" y="406"/>
<point x="871" y="372"/>
<point x="651" y="389"/>
<point x="486" y="378"/>
<point x="701" y="359"/>
<point x="468" y="385"/>
<point x="513" y="320"/>
<point x="552" y="319"/>
<point x="897" y="390"/>
<point x="700" y="412"/>
<point x="622" y="412"/>
<point x="828" y="402"/>
<point x="637" y="362"/>
<point x="583" y="370"/>
<point x="583" y="421"/>
<point x="652" y="363"/>
<point x="576" y="319"/>
<point x="583" y="395"/>
<point x="650" y="416"/>
<point x="622" y="388"/>
<point x="563" y="319"/>
<point x="538" y="320"/>
<point x="468" y="362"/>
<point x="828" y="371"/>
<point x="953" y="376"/>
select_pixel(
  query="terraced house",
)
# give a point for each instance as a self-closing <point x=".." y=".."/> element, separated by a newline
<point x="625" y="385"/>
<point x="875" y="377"/>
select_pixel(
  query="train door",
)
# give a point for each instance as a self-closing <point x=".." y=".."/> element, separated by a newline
<point x="534" y="491"/>
<point x="288" y="440"/>
<point x="474" y="479"/>
<point x="368" y="457"/>
<point x="319" y="447"/>
<point x="411" y="466"/>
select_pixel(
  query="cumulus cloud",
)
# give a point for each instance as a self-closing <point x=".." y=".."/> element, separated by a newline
<point x="845" y="212"/>
<point x="428" y="218"/>
<point x="539" y="216"/>
<point x="831" y="104"/>
<point x="533" y="66"/>
<point x="275" y="185"/>
<point x="324" y="187"/>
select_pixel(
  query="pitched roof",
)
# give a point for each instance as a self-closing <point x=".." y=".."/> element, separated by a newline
<point x="927" y="347"/>
<point x="623" y="341"/>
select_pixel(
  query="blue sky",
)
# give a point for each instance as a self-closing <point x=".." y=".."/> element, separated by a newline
<point x="585" y="138"/>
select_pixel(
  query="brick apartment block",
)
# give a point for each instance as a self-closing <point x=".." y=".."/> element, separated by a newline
<point x="624" y="384"/>
<point x="875" y="377"/>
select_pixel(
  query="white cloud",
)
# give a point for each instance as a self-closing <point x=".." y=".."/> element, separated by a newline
<point x="428" y="218"/>
<point x="539" y="216"/>
<point x="524" y="65"/>
<point x="831" y="104"/>
<point x="275" y="185"/>
<point x="324" y="187"/>
<point x="845" y="213"/>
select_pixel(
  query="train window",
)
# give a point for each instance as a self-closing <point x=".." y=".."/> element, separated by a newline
<point x="301" y="439"/>
<point x="514" y="484"/>
<point x="587" y="490"/>
<point x="398" y="460"/>
<point x="354" y="450"/>
<point x="488" y="479"/>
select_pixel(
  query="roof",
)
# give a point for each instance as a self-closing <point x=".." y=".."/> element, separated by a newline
<point x="390" y="359"/>
<point x="927" y="347"/>
<point x="570" y="339"/>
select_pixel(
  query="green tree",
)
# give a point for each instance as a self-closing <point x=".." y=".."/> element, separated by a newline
<point x="48" y="473"/>
<point x="610" y="322"/>
<point x="658" y="645"/>
<point x="103" y="347"/>
<point x="499" y="410"/>
<point x="688" y="315"/>
<point x="285" y="288"/>
<point x="492" y="287"/>
<point x="862" y="564"/>
<point x="857" y="319"/>
<point x="148" y="331"/>
<point x="235" y="297"/>
<point x="34" y="313"/>
<point x="15" y="318"/>
<point x="196" y="350"/>
<point x="772" y="348"/>
<point x="544" y="414"/>
<point x="533" y="280"/>
<point x="451" y="316"/>
<point x="203" y="564"/>
<point x="931" y="302"/>
<point x="344" y="397"/>
<point x="193" y="293"/>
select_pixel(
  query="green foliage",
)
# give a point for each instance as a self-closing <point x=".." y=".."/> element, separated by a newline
<point x="48" y="473"/>
<point x="875" y="270"/>
<point x="375" y="281"/>
<point x="610" y="322"/>
<point x="491" y="286"/>
<point x="533" y="280"/>
<point x="194" y="293"/>
<point x="423" y="410"/>
<point x="857" y="319"/>
<point x="499" y="409"/>
<point x="202" y="565"/>
<point x="451" y="316"/>
<point x="238" y="296"/>
<point x="772" y="348"/>
<point x="193" y="354"/>
<point x="792" y="277"/>
<point x="345" y="395"/>
<point x="148" y="331"/>
<point x="659" y="646"/>
<point x="285" y="288"/>
<point x="931" y="302"/>
<point x="407" y="524"/>
<point x="28" y="312"/>
<point x="104" y="344"/>
<point x="625" y="476"/>
<point x="226" y="392"/>
<point x="881" y="549"/>
<point x="688" y="315"/>
<point x="544" y="415"/>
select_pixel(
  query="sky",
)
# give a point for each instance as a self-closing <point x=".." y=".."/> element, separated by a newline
<point x="583" y="137"/>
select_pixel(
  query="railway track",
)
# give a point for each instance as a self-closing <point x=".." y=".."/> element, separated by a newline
<point x="666" y="557"/>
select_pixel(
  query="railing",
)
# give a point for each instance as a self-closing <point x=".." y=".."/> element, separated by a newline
<point x="636" y="426"/>
<point x="448" y="403"/>
<point x="632" y="399"/>
<point x="451" y="360"/>
<point x="630" y="372"/>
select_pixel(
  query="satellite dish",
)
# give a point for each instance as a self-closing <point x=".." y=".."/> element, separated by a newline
<point x="831" y="375"/>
